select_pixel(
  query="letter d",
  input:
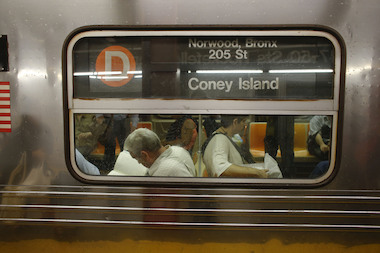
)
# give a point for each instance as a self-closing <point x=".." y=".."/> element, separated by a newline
<point x="108" y="63"/>
<point x="274" y="84"/>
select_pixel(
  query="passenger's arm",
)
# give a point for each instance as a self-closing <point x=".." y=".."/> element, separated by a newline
<point x="240" y="171"/>
<point x="324" y="148"/>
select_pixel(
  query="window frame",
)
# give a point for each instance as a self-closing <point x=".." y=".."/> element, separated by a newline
<point x="330" y="107"/>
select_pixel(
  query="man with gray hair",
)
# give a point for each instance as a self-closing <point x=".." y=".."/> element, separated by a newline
<point x="171" y="161"/>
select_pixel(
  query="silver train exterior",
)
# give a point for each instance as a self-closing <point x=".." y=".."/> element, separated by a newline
<point x="44" y="206"/>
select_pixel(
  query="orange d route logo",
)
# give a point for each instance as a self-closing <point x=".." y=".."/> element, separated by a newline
<point x="115" y="66"/>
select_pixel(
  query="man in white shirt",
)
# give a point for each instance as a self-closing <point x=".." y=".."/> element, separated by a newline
<point x="171" y="161"/>
<point x="222" y="157"/>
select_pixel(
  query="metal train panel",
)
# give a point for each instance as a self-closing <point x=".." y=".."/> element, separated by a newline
<point x="44" y="205"/>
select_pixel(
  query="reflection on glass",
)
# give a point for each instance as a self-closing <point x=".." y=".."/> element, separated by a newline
<point x="201" y="67"/>
<point x="253" y="146"/>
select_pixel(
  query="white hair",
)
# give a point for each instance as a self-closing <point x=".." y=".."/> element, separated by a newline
<point x="142" y="139"/>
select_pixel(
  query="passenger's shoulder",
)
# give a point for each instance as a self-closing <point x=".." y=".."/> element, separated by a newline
<point x="178" y="150"/>
<point x="219" y="137"/>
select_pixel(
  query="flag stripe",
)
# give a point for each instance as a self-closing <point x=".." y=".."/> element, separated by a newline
<point x="5" y="103"/>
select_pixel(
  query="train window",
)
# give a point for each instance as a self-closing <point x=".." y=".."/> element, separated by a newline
<point x="203" y="106"/>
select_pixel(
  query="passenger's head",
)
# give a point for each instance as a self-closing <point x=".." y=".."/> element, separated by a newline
<point x="187" y="131"/>
<point x="143" y="145"/>
<point x="236" y="122"/>
<point x="228" y="119"/>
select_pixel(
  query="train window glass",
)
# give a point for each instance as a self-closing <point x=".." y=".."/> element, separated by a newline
<point x="278" y="89"/>
<point x="290" y="146"/>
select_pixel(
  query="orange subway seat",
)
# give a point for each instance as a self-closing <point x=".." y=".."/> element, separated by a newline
<point x="258" y="131"/>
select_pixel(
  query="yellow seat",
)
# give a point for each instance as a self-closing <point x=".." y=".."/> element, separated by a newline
<point x="300" y="140"/>
<point x="100" y="149"/>
<point x="257" y="132"/>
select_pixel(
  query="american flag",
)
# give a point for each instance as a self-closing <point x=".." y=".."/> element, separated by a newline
<point x="5" y="107"/>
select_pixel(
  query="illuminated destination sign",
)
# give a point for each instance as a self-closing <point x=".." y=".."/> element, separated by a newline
<point x="204" y="67"/>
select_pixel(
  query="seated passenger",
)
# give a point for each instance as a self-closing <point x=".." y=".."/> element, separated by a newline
<point x="171" y="161"/>
<point x="223" y="157"/>
<point x="320" y="169"/>
<point x="88" y="129"/>
<point x="182" y="132"/>
<point x="318" y="142"/>
<point x="84" y="165"/>
<point x="127" y="166"/>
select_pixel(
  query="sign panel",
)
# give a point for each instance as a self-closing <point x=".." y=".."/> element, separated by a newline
<point x="205" y="67"/>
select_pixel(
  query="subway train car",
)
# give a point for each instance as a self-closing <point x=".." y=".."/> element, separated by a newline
<point x="292" y="88"/>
